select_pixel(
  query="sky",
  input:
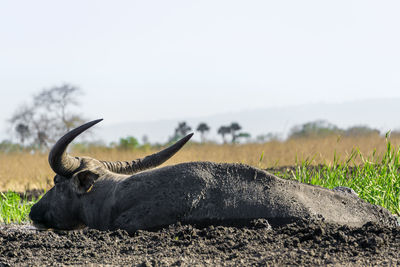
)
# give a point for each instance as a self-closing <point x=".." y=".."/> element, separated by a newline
<point x="155" y="60"/>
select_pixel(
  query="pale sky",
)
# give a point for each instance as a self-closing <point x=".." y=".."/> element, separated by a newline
<point x="151" y="60"/>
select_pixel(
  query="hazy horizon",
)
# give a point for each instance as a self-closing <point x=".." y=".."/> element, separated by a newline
<point x="278" y="121"/>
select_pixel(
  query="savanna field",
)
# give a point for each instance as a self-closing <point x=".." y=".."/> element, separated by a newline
<point x="21" y="171"/>
<point x="369" y="165"/>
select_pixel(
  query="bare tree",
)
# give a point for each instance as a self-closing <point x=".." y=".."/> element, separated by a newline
<point x="203" y="128"/>
<point x="58" y="101"/>
<point x="48" y="116"/>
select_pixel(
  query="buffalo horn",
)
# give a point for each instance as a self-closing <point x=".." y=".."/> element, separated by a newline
<point x="148" y="162"/>
<point x="62" y="163"/>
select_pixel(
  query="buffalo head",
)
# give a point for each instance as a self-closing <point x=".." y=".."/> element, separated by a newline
<point x="75" y="176"/>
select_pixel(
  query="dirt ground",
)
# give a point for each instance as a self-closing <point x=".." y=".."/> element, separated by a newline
<point x="253" y="244"/>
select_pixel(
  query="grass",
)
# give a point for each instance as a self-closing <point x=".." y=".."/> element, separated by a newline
<point x="13" y="208"/>
<point x="375" y="177"/>
<point x="25" y="171"/>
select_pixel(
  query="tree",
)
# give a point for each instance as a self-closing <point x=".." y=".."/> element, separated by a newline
<point x="263" y="138"/>
<point x="48" y="116"/>
<point x="128" y="143"/>
<point x="7" y="146"/>
<point x="145" y="140"/>
<point x="319" y="128"/>
<point x="234" y="127"/>
<point x="58" y="100"/>
<point x="22" y="131"/>
<point x="180" y="131"/>
<point x="243" y="135"/>
<point x="203" y="128"/>
<point x="183" y="129"/>
<point x="224" y="130"/>
<point x="361" y="131"/>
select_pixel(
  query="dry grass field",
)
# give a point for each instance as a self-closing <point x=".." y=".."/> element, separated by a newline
<point x="23" y="171"/>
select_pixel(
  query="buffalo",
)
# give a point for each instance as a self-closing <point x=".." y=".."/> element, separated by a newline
<point x="131" y="195"/>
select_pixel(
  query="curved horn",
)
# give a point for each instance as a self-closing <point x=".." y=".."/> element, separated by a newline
<point x="62" y="163"/>
<point x="148" y="162"/>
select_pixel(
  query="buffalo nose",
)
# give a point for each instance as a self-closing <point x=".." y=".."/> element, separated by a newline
<point x="35" y="214"/>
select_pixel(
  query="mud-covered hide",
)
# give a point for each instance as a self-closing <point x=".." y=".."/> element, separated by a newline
<point x="198" y="192"/>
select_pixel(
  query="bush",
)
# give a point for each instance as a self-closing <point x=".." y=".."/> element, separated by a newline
<point x="128" y="143"/>
<point x="319" y="128"/>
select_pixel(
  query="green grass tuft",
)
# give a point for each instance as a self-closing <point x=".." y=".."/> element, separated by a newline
<point x="376" y="180"/>
<point x="13" y="208"/>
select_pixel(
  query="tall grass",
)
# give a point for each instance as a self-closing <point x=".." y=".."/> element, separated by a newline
<point x="23" y="171"/>
<point x="13" y="208"/>
<point x="376" y="179"/>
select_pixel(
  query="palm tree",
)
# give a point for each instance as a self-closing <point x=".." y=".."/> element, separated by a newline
<point x="233" y="128"/>
<point x="203" y="128"/>
<point x="223" y="130"/>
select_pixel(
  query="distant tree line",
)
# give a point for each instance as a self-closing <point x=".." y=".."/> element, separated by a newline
<point x="52" y="112"/>
<point x="231" y="130"/>
<point x="323" y="128"/>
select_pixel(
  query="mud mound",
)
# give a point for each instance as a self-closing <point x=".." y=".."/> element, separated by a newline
<point x="300" y="243"/>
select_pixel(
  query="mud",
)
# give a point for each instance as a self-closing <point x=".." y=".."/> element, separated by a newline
<point x="253" y="244"/>
<point x="30" y="195"/>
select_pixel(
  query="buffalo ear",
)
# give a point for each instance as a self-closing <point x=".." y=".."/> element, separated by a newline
<point x="85" y="180"/>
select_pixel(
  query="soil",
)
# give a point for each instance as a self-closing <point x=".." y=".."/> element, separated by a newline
<point x="30" y="195"/>
<point x="255" y="243"/>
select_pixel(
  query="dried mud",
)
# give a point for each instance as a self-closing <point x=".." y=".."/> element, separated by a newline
<point x="255" y="243"/>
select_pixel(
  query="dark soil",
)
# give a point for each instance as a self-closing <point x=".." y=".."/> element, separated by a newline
<point x="256" y="244"/>
<point x="30" y="195"/>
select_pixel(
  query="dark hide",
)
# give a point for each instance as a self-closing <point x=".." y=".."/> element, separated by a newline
<point x="199" y="192"/>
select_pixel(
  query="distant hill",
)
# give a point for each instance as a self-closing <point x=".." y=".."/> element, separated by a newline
<point x="382" y="114"/>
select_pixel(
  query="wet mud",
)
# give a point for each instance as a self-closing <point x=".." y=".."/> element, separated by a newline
<point x="253" y="244"/>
